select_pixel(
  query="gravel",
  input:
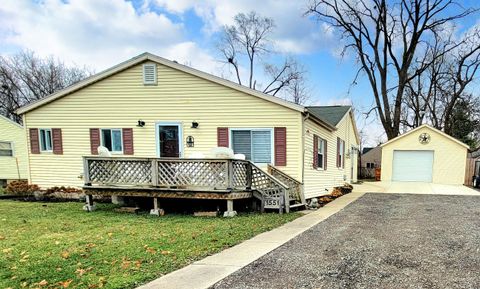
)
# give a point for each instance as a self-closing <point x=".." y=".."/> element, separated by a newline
<point x="379" y="241"/>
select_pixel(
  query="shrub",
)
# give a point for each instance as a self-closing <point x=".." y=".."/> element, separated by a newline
<point x="21" y="188"/>
<point x="62" y="189"/>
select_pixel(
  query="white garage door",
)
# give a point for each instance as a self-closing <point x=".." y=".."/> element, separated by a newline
<point x="412" y="166"/>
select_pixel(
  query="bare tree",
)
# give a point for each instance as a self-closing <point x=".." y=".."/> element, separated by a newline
<point x="432" y="95"/>
<point x="24" y="78"/>
<point x="387" y="39"/>
<point x="248" y="41"/>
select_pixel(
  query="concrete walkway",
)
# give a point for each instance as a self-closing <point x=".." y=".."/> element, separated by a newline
<point x="414" y="188"/>
<point x="204" y="273"/>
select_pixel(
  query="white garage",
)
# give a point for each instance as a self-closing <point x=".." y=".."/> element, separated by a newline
<point x="424" y="154"/>
<point x="412" y="166"/>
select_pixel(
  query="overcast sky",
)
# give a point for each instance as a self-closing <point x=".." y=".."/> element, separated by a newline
<point x="101" y="33"/>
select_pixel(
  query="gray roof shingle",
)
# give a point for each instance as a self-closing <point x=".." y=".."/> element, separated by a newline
<point x="331" y="114"/>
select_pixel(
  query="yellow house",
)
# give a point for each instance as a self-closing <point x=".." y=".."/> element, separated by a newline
<point x="13" y="151"/>
<point x="424" y="154"/>
<point x="152" y="107"/>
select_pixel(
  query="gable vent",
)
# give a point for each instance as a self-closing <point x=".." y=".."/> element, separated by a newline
<point x="150" y="73"/>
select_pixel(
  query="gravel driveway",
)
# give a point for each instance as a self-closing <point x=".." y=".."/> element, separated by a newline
<point x="379" y="241"/>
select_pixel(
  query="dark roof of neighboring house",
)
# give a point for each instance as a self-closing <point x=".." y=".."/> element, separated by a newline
<point x="331" y="114"/>
<point x="366" y="150"/>
<point x="476" y="153"/>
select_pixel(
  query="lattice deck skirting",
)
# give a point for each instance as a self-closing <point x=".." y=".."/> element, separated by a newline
<point x="166" y="193"/>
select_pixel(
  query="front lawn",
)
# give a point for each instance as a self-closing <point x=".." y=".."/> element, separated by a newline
<point x="57" y="245"/>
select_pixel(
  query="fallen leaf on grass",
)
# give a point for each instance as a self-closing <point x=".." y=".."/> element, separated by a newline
<point x="81" y="271"/>
<point x="125" y="264"/>
<point x="43" y="283"/>
<point x="7" y="250"/>
<point x="138" y="264"/>
<point x="2" y="237"/>
<point x="150" y="250"/>
<point x="165" y="252"/>
<point x="65" y="284"/>
<point x="24" y="284"/>
<point x="65" y="254"/>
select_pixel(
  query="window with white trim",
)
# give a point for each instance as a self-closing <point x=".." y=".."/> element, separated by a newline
<point x="149" y="73"/>
<point x="341" y="153"/>
<point x="45" y="139"/>
<point x="321" y="154"/>
<point x="255" y="144"/>
<point x="370" y="165"/>
<point x="112" y="139"/>
<point x="6" y="149"/>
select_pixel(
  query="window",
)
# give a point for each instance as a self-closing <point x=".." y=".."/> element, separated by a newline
<point x="45" y="140"/>
<point x="370" y="165"/>
<point x="340" y="153"/>
<point x="6" y="149"/>
<point x="112" y="140"/>
<point x="150" y="73"/>
<point x="256" y="144"/>
<point x="321" y="153"/>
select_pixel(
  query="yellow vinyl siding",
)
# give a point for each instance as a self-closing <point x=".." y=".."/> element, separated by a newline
<point x="122" y="99"/>
<point x="319" y="182"/>
<point x="9" y="170"/>
<point x="449" y="158"/>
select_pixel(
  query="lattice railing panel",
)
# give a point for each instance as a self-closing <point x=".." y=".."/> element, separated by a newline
<point x="240" y="177"/>
<point x="266" y="184"/>
<point x="116" y="171"/>
<point x="294" y="186"/>
<point x="195" y="173"/>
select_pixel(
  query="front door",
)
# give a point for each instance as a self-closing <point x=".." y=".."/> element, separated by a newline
<point x="169" y="141"/>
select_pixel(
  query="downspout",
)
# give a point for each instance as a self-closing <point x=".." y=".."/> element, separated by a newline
<point x="304" y="119"/>
<point x="24" y="120"/>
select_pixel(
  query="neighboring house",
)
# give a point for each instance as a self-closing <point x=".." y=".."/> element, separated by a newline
<point x="473" y="166"/>
<point x="371" y="159"/>
<point x="13" y="151"/>
<point x="151" y="107"/>
<point x="424" y="154"/>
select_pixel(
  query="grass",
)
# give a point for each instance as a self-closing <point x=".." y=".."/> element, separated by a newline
<point x="57" y="245"/>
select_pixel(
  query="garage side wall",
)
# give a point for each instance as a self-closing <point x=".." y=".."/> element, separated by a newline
<point x="449" y="158"/>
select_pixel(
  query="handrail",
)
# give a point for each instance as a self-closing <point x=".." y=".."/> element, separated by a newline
<point x="296" y="187"/>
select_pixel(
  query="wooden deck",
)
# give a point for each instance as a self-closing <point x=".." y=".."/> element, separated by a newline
<point x="220" y="179"/>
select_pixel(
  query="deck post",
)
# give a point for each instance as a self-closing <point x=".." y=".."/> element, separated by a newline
<point x="156" y="208"/>
<point x="230" y="174"/>
<point x="89" y="206"/>
<point x="154" y="173"/>
<point x="86" y="172"/>
<point x="249" y="176"/>
<point x="287" y="201"/>
<point x="230" y="212"/>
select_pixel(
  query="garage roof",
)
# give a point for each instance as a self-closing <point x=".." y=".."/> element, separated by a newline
<point x="430" y="127"/>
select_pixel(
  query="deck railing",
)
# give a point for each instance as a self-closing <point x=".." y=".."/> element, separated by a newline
<point x="190" y="174"/>
<point x="295" y="188"/>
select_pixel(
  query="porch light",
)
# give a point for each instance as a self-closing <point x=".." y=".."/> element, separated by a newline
<point x="190" y="141"/>
<point x="194" y="124"/>
<point x="141" y="123"/>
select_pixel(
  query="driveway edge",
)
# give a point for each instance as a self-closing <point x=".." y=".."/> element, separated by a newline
<point x="208" y="271"/>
